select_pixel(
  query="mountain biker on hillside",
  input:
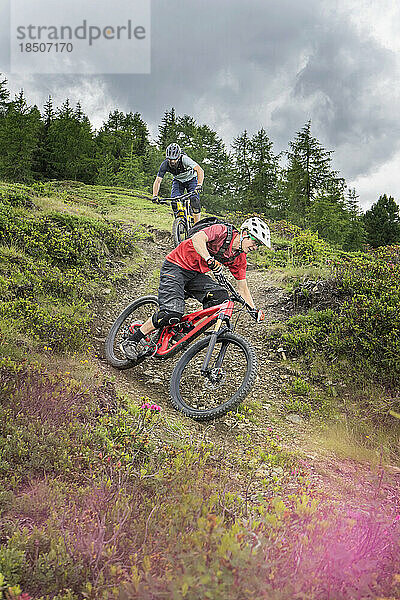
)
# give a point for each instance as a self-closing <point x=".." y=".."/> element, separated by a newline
<point x="188" y="176"/>
<point x="183" y="274"/>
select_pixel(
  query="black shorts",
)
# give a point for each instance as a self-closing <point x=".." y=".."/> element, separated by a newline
<point x="177" y="283"/>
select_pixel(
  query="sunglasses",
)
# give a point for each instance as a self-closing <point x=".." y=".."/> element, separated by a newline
<point x="255" y="240"/>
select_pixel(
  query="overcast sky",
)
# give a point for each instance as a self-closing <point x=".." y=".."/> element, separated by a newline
<point x="236" y="66"/>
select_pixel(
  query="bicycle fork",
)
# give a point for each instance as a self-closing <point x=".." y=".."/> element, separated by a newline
<point x="223" y="315"/>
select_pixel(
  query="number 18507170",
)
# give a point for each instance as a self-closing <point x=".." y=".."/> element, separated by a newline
<point x="46" y="47"/>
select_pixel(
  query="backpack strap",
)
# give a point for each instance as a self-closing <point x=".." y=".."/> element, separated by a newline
<point x="225" y="246"/>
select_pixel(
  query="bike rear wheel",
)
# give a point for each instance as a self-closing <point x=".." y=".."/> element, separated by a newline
<point x="179" y="231"/>
<point x="138" y="312"/>
<point x="207" y="397"/>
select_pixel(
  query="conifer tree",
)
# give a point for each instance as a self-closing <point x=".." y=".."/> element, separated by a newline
<point x="130" y="173"/>
<point x="48" y="113"/>
<point x="20" y="129"/>
<point x="139" y="131"/>
<point x="70" y="145"/>
<point x="186" y="134"/>
<point x="43" y="149"/>
<point x="168" y="129"/>
<point x="119" y="135"/>
<point x="150" y="162"/>
<point x="105" y="170"/>
<point x="309" y="174"/>
<point x="204" y="146"/>
<point x="264" y="167"/>
<point x="4" y="96"/>
<point x="329" y="218"/>
<point x="214" y="158"/>
<point x="241" y="156"/>
<point x="382" y="222"/>
<point x="355" y="235"/>
<point x="256" y="174"/>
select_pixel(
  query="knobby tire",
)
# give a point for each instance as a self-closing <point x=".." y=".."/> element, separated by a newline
<point x="125" y="317"/>
<point x="179" y="231"/>
<point x="229" y="403"/>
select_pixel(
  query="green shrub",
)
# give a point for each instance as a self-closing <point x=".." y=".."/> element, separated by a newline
<point x="300" y="387"/>
<point x="47" y="565"/>
<point x="29" y="448"/>
<point x="307" y="248"/>
<point x="309" y="332"/>
<point x="369" y="328"/>
<point x="22" y="275"/>
<point x="365" y="330"/>
<point x="11" y="564"/>
<point x="62" y="326"/>
<point x="62" y="238"/>
<point x="38" y="394"/>
<point x="16" y="195"/>
<point x="390" y="254"/>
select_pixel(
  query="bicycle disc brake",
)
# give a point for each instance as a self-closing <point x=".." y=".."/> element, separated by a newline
<point x="214" y="378"/>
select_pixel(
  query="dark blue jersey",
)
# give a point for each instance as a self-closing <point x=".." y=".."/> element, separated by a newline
<point x="183" y="171"/>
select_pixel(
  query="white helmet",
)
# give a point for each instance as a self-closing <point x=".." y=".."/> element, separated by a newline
<point x="258" y="229"/>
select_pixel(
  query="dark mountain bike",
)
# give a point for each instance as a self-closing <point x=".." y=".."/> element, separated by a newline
<point x="214" y="374"/>
<point x="183" y="220"/>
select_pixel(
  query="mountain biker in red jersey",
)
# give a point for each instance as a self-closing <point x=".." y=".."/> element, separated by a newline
<point x="188" y="176"/>
<point x="183" y="274"/>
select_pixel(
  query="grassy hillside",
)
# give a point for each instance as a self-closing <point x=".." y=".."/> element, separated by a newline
<point x="107" y="493"/>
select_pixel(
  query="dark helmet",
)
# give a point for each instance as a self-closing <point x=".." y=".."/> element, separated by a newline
<point x="173" y="152"/>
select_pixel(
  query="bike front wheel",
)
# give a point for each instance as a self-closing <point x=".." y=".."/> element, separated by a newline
<point x="179" y="231"/>
<point x="231" y="375"/>
<point x="135" y="314"/>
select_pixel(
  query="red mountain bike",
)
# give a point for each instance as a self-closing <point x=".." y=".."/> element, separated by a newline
<point x="214" y="374"/>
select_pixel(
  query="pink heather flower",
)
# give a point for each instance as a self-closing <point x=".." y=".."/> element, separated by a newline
<point x="145" y="406"/>
<point x="155" y="407"/>
<point x="397" y="518"/>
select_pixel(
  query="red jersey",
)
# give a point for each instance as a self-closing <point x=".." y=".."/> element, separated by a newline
<point x="188" y="258"/>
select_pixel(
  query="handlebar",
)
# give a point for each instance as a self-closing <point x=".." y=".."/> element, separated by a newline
<point x="222" y="280"/>
<point x="168" y="200"/>
<point x="236" y="297"/>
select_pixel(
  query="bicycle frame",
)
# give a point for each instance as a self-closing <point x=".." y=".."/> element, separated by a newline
<point x="182" y="203"/>
<point x="199" y="321"/>
<point x="183" y="212"/>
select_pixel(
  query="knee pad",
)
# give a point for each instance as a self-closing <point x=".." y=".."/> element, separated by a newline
<point x="163" y="318"/>
<point x="215" y="297"/>
<point x="195" y="204"/>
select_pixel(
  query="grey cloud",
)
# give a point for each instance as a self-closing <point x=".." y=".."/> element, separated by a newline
<point x="352" y="98"/>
